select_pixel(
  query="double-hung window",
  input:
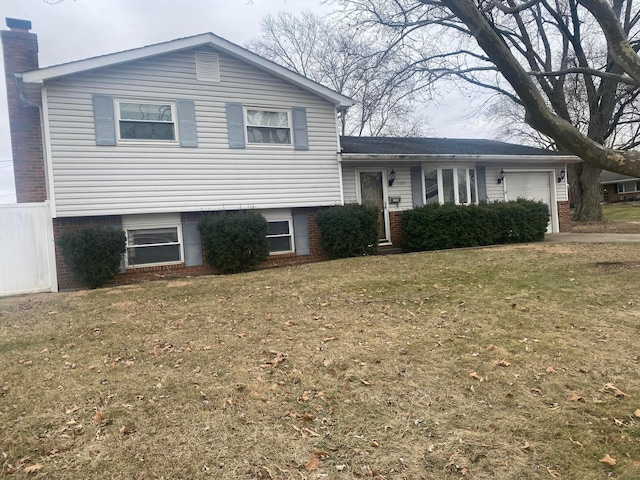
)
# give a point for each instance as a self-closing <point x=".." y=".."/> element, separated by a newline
<point x="268" y="126"/>
<point x="450" y="185"/>
<point x="279" y="231"/>
<point x="152" y="121"/>
<point x="153" y="240"/>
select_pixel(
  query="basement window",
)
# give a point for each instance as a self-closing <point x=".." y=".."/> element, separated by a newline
<point x="279" y="231"/>
<point x="153" y="240"/>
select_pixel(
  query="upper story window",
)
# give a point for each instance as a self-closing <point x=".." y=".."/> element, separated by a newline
<point x="268" y="126"/>
<point x="146" y="121"/>
<point x="450" y="185"/>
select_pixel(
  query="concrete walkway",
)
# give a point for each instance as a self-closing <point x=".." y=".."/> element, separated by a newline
<point x="592" y="237"/>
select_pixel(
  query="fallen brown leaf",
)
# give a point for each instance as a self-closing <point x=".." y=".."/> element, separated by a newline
<point x="314" y="463"/>
<point x="33" y="468"/>
<point x="607" y="460"/>
<point x="553" y="473"/>
<point x="611" y="388"/>
<point x="98" y="417"/>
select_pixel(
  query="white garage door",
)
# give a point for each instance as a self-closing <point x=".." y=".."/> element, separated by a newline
<point x="532" y="186"/>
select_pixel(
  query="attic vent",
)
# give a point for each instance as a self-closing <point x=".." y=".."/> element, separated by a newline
<point x="207" y="67"/>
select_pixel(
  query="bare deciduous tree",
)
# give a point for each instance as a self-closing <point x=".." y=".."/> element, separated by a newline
<point x="347" y="60"/>
<point x="571" y="65"/>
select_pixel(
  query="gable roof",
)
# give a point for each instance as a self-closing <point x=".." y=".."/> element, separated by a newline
<point x="438" y="146"/>
<point x="205" y="39"/>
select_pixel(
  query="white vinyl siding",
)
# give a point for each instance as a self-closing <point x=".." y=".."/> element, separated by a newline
<point x="91" y="179"/>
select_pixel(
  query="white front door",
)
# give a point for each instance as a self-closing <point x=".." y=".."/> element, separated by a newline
<point x="536" y="186"/>
<point x="372" y="192"/>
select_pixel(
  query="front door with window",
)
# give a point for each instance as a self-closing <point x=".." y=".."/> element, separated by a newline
<point x="372" y="193"/>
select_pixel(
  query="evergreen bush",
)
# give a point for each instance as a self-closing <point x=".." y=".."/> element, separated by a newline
<point x="93" y="254"/>
<point x="234" y="242"/>
<point x="348" y="231"/>
<point x="437" y="227"/>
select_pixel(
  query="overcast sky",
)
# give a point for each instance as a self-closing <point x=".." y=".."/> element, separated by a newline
<point x="77" y="29"/>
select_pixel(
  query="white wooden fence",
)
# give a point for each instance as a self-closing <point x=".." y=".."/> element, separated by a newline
<point x="27" y="249"/>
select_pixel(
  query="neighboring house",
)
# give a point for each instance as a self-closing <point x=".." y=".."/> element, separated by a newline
<point x="397" y="174"/>
<point x="619" y="188"/>
<point x="149" y="140"/>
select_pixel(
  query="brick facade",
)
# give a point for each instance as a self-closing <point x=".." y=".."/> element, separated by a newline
<point x="66" y="281"/>
<point x="395" y="227"/>
<point x="20" y="49"/>
<point x="564" y="216"/>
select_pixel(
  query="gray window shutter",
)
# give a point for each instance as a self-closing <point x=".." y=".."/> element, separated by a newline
<point x="482" y="183"/>
<point x="300" y="135"/>
<point x="192" y="243"/>
<point x="187" y="123"/>
<point x="104" y="120"/>
<point x="235" y="125"/>
<point x="301" y="234"/>
<point x="416" y="187"/>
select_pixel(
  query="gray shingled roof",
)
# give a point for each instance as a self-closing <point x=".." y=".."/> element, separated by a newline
<point x="437" y="146"/>
<point x="612" y="177"/>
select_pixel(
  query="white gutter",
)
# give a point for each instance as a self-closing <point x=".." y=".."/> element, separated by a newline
<point x="379" y="157"/>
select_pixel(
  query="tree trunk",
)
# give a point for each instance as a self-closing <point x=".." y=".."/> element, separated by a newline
<point x="585" y="193"/>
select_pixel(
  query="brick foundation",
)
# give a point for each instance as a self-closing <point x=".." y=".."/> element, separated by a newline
<point x="141" y="274"/>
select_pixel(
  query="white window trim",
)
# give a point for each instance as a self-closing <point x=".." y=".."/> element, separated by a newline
<point x="456" y="193"/>
<point x="142" y="222"/>
<point x="147" y="141"/>
<point x="620" y="186"/>
<point x="281" y="216"/>
<point x="246" y="125"/>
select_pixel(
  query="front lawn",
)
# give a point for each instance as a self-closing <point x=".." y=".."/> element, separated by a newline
<point x="501" y="363"/>
<point x="622" y="212"/>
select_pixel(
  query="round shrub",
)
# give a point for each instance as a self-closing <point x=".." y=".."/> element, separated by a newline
<point x="348" y="231"/>
<point x="93" y="254"/>
<point x="234" y="242"/>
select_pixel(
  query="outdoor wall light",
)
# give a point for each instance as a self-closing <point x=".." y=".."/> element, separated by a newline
<point x="501" y="177"/>
<point x="562" y="175"/>
<point x="392" y="177"/>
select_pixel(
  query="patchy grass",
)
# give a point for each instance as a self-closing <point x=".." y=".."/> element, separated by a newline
<point x="500" y="363"/>
<point x="622" y="212"/>
<point x="619" y="218"/>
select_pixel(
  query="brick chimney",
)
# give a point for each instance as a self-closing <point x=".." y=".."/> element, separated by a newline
<point x="20" y="49"/>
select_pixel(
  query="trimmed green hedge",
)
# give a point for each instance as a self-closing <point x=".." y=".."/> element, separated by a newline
<point x="348" y="231"/>
<point x="234" y="242"/>
<point x="437" y="227"/>
<point x="93" y="254"/>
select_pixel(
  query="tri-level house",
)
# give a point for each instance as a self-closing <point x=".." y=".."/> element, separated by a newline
<point x="148" y="140"/>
